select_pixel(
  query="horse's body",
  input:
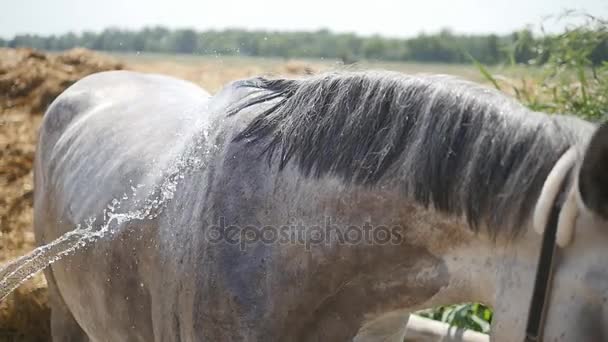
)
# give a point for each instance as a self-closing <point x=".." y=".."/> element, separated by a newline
<point x="453" y="183"/>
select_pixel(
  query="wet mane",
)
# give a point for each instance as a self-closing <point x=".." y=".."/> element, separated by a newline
<point x="456" y="146"/>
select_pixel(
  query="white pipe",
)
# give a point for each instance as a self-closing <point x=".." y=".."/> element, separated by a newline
<point x="420" y="329"/>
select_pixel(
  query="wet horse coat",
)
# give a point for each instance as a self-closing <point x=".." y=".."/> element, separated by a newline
<point x="449" y="170"/>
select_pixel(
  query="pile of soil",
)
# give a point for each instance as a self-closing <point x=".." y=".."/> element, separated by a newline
<point x="29" y="81"/>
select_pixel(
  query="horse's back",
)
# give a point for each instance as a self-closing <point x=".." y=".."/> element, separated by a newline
<point x="111" y="131"/>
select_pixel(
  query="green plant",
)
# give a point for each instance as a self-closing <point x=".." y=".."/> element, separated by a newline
<point x="574" y="77"/>
<point x="473" y="316"/>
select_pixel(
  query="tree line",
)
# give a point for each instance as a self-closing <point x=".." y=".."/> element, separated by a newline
<point x="444" y="46"/>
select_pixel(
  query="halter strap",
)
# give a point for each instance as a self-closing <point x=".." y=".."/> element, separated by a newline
<point x="544" y="269"/>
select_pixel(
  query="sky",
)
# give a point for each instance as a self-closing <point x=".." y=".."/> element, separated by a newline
<point x="390" y="18"/>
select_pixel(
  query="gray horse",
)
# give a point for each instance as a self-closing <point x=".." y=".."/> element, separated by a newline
<point x="321" y="209"/>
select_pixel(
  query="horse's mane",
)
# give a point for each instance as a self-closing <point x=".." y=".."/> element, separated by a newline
<point x="456" y="146"/>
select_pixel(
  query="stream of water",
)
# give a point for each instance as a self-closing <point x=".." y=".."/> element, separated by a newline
<point x="17" y="271"/>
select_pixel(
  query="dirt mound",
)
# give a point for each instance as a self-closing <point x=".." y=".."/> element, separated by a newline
<point x="29" y="81"/>
<point x="24" y="316"/>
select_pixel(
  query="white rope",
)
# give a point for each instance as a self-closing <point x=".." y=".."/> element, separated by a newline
<point x="548" y="196"/>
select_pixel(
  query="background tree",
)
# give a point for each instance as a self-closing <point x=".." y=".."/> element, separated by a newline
<point x="443" y="47"/>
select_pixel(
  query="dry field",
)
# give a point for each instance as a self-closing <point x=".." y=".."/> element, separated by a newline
<point x="30" y="80"/>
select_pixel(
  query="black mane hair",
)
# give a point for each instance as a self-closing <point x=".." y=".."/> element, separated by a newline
<point x="459" y="147"/>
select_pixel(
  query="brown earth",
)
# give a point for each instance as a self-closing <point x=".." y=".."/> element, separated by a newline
<point x="29" y="81"/>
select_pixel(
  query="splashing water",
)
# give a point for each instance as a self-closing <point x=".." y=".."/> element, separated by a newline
<point x="23" y="268"/>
